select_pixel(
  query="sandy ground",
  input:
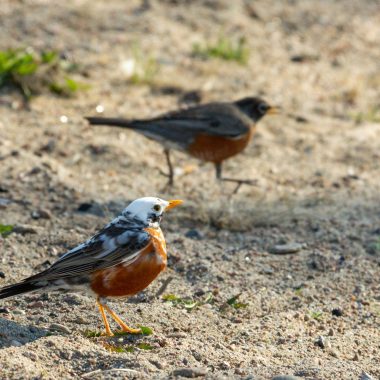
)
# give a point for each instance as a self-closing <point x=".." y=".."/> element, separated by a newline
<point x="314" y="313"/>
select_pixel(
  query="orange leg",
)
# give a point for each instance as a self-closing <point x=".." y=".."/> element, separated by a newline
<point x="123" y="326"/>
<point x="104" y="317"/>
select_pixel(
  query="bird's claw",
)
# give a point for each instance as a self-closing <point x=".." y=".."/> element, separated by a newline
<point x="240" y="182"/>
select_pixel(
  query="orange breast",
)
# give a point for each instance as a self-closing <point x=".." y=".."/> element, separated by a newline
<point x="128" y="279"/>
<point x="217" y="148"/>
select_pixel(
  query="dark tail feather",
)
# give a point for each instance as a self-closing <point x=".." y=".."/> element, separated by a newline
<point x="20" y="288"/>
<point x="110" y="121"/>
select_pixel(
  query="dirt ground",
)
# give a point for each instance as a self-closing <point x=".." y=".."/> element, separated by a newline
<point x="313" y="313"/>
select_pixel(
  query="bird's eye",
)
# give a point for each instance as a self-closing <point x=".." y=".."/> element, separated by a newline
<point x="157" y="208"/>
<point x="263" y="108"/>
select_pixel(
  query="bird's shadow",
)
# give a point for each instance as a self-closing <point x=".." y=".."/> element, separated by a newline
<point x="16" y="334"/>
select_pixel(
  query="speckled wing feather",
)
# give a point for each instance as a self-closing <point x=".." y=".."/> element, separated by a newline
<point x="120" y="241"/>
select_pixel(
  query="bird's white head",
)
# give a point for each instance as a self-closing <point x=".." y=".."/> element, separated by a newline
<point x="150" y="209"/>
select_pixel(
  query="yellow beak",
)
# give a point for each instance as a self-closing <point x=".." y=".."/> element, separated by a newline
<point x="274" y="110"/>
<point x="173" y="203"/>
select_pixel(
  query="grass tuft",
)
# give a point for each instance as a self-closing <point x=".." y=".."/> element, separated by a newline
<point x="317" y="315"/>
<point x="186" y="303"/>
<point x="371" y="116"/>
<point x="233" y="302"/>
<point x="91" y="334"/>
<point x="34" y="72"/>
<point x="225" y="49"/>
<point x="141" y="68"/>
<point x="5" y="230"/>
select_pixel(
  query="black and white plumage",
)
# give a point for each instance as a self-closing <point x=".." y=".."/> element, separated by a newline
<point x="120" y="241"/>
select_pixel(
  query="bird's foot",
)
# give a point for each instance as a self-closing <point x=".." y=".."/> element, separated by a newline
<point x="240" y="182"/>
<point x="129" y="330"/>
<point x="170" y="178"/>
<point x="124" y="327"/>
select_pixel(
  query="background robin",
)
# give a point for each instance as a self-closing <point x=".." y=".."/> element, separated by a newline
<point x="120" y="260"/>
<point x="211" y="132"/>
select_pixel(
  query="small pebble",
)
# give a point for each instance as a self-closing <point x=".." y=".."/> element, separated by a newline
<point x="331" y="332"/>
<point x="337" y="312"/>
<point x="2" y="274"/>
<point x="190" y="373"/>
<point x="159" y="364"/>
<point x="4" y="202"/>
<point x="4" y="310"/>
<point x="177" y="335"/>
<point x="284" y="249"/>
<point x="36" y="305"/>
<point x="365" y="376"/>
<point x="334" y="353"/>
<point x="93" y="208"/>
<point x="16" y="343"/>
<point x="31" y="355"/>
<point x="225" y="366"/>
<point x="322" y="342"/>
<point x="81" y="320"/>
<point x="286" y="377"/>
<point x="60" y="328"/>
<point x="41" y="214"/>
<point x="194" y="234"/>
<point x="18" y="311"/>
<point x="24" y="229"/>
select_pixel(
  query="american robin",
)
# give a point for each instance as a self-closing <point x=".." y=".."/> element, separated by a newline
<point x="121" y="260"/>
<point x="211" y="132"/>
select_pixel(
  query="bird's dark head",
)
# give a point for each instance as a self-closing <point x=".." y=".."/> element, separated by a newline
<point x="256" y="107"/>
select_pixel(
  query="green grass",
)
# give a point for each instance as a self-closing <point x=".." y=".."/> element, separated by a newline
<point x="144" y="331"/>
<point x="145" y="67"/>
<point x="224" y="48"/>
<point x="317" y="315"/>
<point x="372" y="116"/>
<point x="187" y="303"/>
<point x="233" y="302"/>
<point x="374" y="247"/>
<point x="91" y="334"/>
<point x="5" y="229"/>
<point x="33" y="72"/>
<point x="95" y="334"/>
<point x="298" y="291"/>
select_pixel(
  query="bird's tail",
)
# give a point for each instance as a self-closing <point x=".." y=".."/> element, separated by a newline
<point x="111" y="121"/>
<point x="20" y="288"/>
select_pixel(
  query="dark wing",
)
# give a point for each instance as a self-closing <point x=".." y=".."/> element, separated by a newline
<point x="120" y="241"/>
<point x="180" y="128"/>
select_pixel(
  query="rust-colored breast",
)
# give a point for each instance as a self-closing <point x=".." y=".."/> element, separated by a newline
<point x="217" y="148"/>
<point x="128" y="279"/>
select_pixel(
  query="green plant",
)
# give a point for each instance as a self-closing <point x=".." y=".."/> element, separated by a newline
<point x="224" y="48"/>
<point x="32" y="72"/>
<point x="372" y="115"/>
<point x="91" y="334"/>
<point x="144" y="331"/>
<point x="188" y="304"/>
<point x="233" y="302"/>
<point x="5" y="229"/>
<point x="318" y="315"/>
<point x="142" y="69"/>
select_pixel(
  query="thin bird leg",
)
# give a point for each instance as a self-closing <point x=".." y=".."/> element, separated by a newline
<point x="218" y="171"/>
<point x="170" y="175"/>
<point x="170" y="167"/>
<point x="239" y="182"/>
<point x="104" y="317"/>
<point x="123" y="326"/>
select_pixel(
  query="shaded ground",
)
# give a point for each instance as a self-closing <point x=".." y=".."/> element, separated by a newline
<point x="317" y="167"/>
